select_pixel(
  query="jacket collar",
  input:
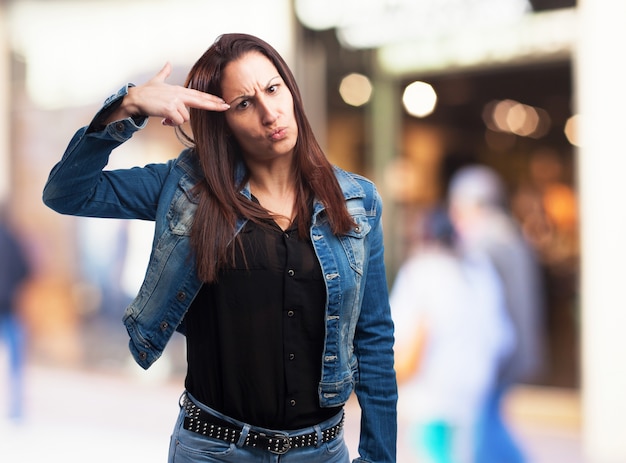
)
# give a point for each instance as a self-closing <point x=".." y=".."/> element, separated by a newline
<point x="349" y="187"/>
<point x="189" y="164"/>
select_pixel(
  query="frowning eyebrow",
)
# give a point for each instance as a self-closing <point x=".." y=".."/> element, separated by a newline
<point x="243" y="96"/>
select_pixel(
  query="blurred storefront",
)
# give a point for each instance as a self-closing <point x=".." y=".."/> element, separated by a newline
<point x="508" y="82"/>
<point x="502" y="89"/>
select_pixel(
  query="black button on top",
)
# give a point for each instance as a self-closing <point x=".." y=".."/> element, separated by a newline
<point x="290" y="272"/>
<point x="292" y="356"/>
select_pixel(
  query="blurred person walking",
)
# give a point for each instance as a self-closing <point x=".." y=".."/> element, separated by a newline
<point x="478" y="208"/>
<point x="452" y="332"/>
<point x="267" y="257"/>
<point x="14" y="272"/>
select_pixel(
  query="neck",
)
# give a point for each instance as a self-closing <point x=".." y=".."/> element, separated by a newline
<point x="274" y="179"/>
<point x="276" y="192"/>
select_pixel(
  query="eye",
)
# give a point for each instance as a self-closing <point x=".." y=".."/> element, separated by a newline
<point x="272" y="88"/>
<point x="243" y="104"/>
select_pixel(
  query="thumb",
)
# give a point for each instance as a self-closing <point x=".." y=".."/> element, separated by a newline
<point x="164" y="73"/>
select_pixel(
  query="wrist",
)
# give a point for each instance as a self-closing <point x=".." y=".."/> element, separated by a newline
<point x="116" y="107"/>
<point x="128" y="106"/>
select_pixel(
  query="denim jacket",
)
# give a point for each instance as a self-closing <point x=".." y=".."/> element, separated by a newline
<point x="358" y="349"/>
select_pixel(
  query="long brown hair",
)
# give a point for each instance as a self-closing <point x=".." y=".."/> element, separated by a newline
<point x="220" y="202"/>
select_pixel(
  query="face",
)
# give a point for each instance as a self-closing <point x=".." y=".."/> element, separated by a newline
<point x="261" y="115"/>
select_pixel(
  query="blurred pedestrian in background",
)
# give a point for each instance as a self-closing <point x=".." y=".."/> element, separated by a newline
<point x="478" y="208"/>
<point x="14" y="271"/>
<point x="452" y="331"/>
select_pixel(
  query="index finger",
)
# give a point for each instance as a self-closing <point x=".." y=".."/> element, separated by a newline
<point x="201" y="100"/>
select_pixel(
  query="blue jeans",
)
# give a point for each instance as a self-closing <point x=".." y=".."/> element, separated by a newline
<point x="495" y="443"/>
<point x="190" y="447"/>
<point x="12" y="332"/>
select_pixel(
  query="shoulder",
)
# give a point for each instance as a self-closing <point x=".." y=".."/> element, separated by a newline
<point x="356" y="186"/>
<point x="186" y="165"/>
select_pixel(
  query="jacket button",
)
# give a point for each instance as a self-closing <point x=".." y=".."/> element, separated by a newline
<point x="143" y="355"/>
<point x="292" y="402"/>
<point x="357" y="229"/>
<point x="181" y="296"/>
<point x="290" y="313"/>
<point x="119" y="127"/>
<point x="292" y="356"/>
<point x="290" y="272"/>
<point x="164" y="325"/>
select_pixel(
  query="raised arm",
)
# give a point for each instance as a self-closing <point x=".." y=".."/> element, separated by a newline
<point x="156" y="98"/>
<point x="79" y="185"/>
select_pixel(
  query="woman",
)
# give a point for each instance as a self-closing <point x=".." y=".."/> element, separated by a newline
<point x="268" y="258"/>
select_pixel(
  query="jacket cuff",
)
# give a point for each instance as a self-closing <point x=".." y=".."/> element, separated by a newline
<point x="110" y="105"/>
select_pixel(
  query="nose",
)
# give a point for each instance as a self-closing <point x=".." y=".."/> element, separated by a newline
<point x="269" y="114"/>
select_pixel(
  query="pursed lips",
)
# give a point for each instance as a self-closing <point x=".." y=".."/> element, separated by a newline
<point x="278" y="134"/>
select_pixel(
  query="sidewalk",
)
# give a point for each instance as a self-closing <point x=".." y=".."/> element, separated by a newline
<point x="127" y="416"/>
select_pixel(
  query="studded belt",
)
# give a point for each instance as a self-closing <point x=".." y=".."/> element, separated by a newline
<point x="203" y="423"/>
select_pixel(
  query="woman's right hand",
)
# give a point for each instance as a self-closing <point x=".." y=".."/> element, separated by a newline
<point x="156" y="98"/>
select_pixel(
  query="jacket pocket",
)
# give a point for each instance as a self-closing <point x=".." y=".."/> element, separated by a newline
<point x="353" y="243"/>
<point x="181" y="213"/>
<point x="334" y="394"/>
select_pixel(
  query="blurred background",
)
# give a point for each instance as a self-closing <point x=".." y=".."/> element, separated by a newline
<point x="402" y="91"/>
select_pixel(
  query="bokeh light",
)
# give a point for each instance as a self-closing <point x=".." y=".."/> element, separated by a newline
<point x="355" y="89"/>
<point x="513" y="117"/>
<point x="419" y="99"/>
<point x="319" y="14"/>
<point x="571" y="129"/>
